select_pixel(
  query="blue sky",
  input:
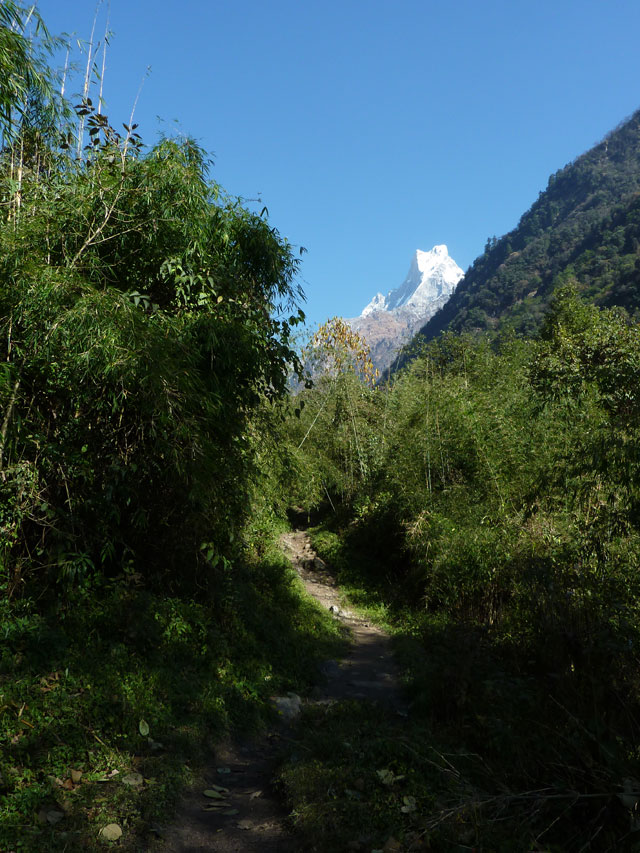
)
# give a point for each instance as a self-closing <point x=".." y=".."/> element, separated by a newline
<point x="371" y="129"/>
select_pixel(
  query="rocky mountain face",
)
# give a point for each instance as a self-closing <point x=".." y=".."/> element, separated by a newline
<point x="389" y="322"/>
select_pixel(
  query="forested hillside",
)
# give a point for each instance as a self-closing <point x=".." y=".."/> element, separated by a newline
<point x="586" y="223"/>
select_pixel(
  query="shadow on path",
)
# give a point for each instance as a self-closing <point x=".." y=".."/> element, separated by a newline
<point x="249" y="816"/>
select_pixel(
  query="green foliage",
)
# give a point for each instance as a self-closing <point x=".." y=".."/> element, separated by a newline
<point x="359" y="781"/>
<point x="335" y="438"/>
<point x="497" y="533"/>
<point x="78" y="687"/>
<point x="142" y="328"/>
<point x="25" y="75"/>
<point x="146" y="323"/>
<point x="335" y="415"/>
<point x="490" y="493"/>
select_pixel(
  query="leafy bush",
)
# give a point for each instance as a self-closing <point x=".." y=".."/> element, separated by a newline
<point x="141" y="335"/>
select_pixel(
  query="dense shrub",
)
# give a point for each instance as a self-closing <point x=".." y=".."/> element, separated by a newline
<point x="499" y="528"/>
<point x="145" y="321"/>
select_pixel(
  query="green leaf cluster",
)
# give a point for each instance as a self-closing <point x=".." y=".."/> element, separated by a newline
<point x="145" y="324"/>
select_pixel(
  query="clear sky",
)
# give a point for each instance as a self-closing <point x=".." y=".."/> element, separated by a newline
<point x="372" y="128"/>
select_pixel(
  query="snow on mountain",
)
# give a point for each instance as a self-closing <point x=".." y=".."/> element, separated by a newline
<point x="431" y="275"/>
<point x="388" y="322"/>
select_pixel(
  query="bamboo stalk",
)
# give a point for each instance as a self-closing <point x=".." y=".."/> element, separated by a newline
<point x="5" y="424"/>
<point x="324" y="402"/>
<point x="133" y="110"/>
<point x="87" y="77"/>
<point x="18" y="196"/>
<point x="66" y="69"/>
<point x="104" y="56"/>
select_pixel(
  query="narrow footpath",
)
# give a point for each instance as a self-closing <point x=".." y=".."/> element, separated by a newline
<point x="241" y="812"/>
<point x="368" y="672"/>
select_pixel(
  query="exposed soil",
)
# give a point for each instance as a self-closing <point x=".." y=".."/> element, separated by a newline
<point x="249" y="816"/>
<point x="368" y="672"/>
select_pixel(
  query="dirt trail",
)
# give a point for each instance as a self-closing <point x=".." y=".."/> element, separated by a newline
<point x="250" y="817"/>
<point x="368" y="671"/>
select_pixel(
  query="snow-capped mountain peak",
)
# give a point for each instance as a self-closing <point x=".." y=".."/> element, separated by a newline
<point x="378" y="303"/>
<point x="432" y="275"/>
<point x="388" y="322"/>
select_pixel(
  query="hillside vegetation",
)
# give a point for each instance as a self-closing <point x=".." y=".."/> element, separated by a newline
<point x="586" y="224"/>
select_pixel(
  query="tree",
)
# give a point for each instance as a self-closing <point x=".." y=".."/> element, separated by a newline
<point x="145" y="318"/>
<point x="335" y="349"/>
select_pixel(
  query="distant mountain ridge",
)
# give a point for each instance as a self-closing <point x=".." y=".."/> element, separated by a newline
<point x="388" y="322"/>
<point x="586" y="225"/>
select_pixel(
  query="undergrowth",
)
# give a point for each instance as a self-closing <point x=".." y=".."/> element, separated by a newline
<point x="108" y="708"/>
<point x="484" y="505"/>
<point x="495" y="755"/>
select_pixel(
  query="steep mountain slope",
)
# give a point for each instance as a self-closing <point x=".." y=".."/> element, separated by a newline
<point x="388" y="322"/>
<point x="586" y="223"/>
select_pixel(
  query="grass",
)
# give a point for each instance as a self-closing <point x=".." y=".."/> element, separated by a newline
<point x="358" y="586"/>
<point x="496" y="756"/>
<point x="354" y="780"/>
<point x="107" y="708"/>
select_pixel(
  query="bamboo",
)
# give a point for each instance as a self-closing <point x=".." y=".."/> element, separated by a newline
<point x="104" y="57"/>
<point x="18" y="196"/>
<point x="87" y="78"/>
<point x="5" y="424"/>
<point x="133" y="110"/>
<point x="66" y="68"/>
